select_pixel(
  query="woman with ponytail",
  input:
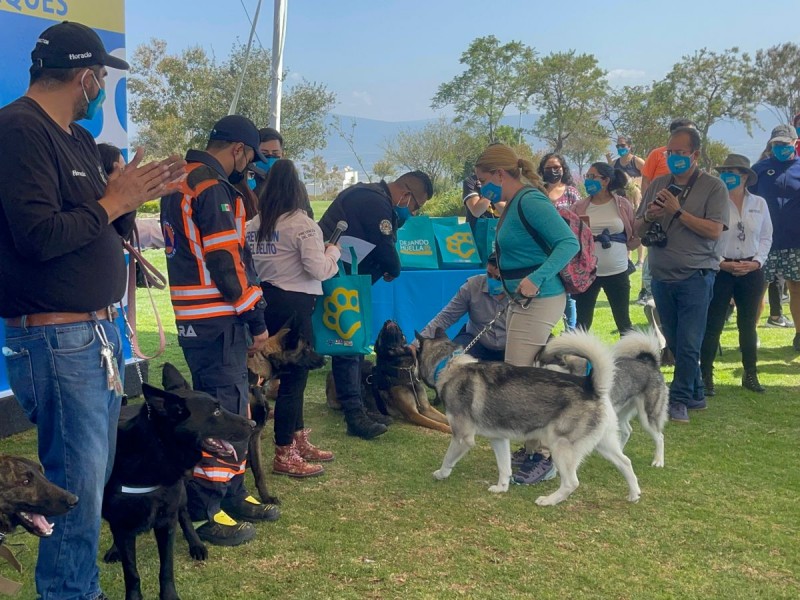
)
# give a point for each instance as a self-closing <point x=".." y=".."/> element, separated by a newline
<point x="529" y="272"/>
<point x="610" y="217"/>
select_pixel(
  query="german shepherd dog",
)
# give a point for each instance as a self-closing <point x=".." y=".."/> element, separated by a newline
<point x="155" y="450"/>
<point x="638" y="388"/>
<point x="570" y="415"/>
<point x="395" y="383"/>
<point x="27" y="498"/>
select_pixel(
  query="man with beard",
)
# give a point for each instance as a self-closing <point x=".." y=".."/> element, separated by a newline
<point x="62" y="268"/>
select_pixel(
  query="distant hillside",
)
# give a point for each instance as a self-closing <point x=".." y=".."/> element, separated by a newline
<point x="371" y="135"/>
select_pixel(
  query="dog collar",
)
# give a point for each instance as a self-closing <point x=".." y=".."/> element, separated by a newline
<point x="441" y="366"/>
<point x="130" y="489"/>
<point x="588" y="368"/>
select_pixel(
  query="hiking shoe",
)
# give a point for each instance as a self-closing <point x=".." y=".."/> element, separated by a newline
<point x="518" y="457"/>
<point x="708" y="384"/>
<point x="250" y="509"/>
<point x="309" y="451"/>
<point x="796" y="342"/>
<point x="643" y="298"/>
<point x="289" y="462"/>
<point x="379" y="417"/>
<point x="224" y="531"/>
<point x="696" y="404"/>
<point x="750" y="382"/>
<point x="536" y="468"/>
<point x="678" y="412"/>
<point x="780" y="322"/>
<point x="360" y="425"/>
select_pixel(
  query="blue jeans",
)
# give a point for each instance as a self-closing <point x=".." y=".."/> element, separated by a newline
<point x="683" y="308"/>
<point x="570" y="314"/>
<point x="57" y="377"/>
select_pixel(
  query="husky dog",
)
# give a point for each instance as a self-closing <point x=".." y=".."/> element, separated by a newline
<point x="571" y="415"/>
<point x="638" y="388"/>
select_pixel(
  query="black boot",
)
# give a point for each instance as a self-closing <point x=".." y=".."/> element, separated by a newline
<point x="379" y="417"/>
<point x="360" y="425"/>
<point x="750" y="382"/>
<point x="708" y="383"/>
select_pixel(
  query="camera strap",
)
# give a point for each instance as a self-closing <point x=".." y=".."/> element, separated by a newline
<point x="684" y="194"/>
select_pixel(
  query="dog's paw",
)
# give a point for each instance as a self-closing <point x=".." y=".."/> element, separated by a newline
<point x="441" y="474"/>
<point x="198" y="551"/>
<point x="658" y="462"/>
<point x="112" y="555"/>
<point x="498" y="489"/>
<point x="547" y="500"/>
<point x="634" y="497"/>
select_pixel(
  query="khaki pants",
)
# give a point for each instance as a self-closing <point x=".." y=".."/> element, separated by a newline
<point x="527" y="332"/>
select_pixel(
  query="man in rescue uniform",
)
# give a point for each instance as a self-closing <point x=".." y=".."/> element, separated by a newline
<point x="373" y="212"/>
<point x="218" y="305"/>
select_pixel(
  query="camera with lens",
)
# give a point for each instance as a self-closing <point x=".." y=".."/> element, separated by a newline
<point x="655" y="236"/>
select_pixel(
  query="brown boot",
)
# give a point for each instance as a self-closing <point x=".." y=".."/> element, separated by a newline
<point x="289" y="462"/>
<point x="309" y="451"/>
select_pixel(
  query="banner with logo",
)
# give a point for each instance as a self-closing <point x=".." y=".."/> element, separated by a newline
<point x="416" y="244"/>
<point x="485" y="233"/>
<point x="456" y="245"/>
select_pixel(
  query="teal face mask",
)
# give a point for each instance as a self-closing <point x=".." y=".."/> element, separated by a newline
<point x="93" y="105"/>
<point x="678" y="164"/>
<point x="622" y="151"/>
<point x="783" y="152"/>
<point x="403" y="214"/>
<point x="592" y="186"/>
<point x="495" y="286"/>
<point x="266" y="166"/>
<point x="491" y="191"/>
<point x="731" y="180"/>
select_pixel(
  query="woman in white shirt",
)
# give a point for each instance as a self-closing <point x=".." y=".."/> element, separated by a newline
<point x="611" y="219"/>
<point x="743" y="248"/>
<point x="291" y="260"/>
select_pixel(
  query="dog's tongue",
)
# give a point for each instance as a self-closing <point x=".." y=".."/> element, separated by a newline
<point x="221" y="448"/>
<point x="39" y="523"/>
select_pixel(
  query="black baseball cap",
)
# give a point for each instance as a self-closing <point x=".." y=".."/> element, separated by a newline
<point x="236" y="128"/>
<point x="68" y="45"/>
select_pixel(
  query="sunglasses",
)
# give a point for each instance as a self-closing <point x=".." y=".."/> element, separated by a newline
<point x="740" y="226"/>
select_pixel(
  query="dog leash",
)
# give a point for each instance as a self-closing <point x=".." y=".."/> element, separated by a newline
<point x="486" y="327"/>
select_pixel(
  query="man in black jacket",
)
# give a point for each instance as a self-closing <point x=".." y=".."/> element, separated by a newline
<point x="373" y="212"/>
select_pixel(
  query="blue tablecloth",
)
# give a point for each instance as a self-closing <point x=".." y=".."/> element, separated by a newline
<point x="415" y="297"/>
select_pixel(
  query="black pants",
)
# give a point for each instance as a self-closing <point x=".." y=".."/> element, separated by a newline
<point x="774" y="293"/>
<point x="478" y="350"/>
<point x="618" y="291"/>
<point x="281" y="307"/>
<point x="747" y="291"/>
<point x="219" y="368"/>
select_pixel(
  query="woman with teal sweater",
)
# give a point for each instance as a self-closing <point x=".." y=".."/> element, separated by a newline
<point x="529" y="272"/>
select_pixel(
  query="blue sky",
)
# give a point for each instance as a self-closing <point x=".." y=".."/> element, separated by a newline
<point x="384" y="59"/>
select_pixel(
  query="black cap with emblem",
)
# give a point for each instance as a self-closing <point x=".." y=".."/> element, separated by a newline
<point x="68" y="45"/>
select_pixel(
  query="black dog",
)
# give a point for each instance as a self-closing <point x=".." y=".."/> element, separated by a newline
<point x="395" y="383"/>
<point x="155" y="450"/>
<point x="27" y="497"/>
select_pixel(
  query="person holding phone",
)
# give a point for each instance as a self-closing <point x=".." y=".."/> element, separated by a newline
<point x="681" y="217"/>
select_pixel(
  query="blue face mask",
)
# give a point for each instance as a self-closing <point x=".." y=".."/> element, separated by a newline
<point x="592" y="186"/>
<point x="731" y="180"/>
<point x="623" y="151"/>
<point x="94" y="105"/>
<point x="679" y="164"/>
<point x="783" y="152"/>
<point x="495" y="286"/>
<point x="491" y="191"/>
<point x="266" y="166"/>
<point x="403" y="214"/>
<point x="251" y="183"/>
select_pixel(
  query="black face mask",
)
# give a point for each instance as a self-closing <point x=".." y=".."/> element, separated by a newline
<point x="553" y="175"/>
<point x="236" y="177"/>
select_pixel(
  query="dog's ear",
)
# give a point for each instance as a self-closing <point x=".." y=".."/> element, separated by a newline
<point x="155" y="398"/>
<point x="439" y="333"/>
<point x="418" y="336"/>
<point x="275" y="342"/>
<point x="171" y="378"/>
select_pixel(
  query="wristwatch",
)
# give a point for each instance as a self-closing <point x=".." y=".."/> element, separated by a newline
<point x="678" y="214"/>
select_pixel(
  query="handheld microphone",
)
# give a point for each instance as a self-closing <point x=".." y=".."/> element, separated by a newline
<point x="341" y="227"/>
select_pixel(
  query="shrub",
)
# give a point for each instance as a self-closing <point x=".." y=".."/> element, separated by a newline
<point x="153" y="207"/>
<point x="445" y="204"/>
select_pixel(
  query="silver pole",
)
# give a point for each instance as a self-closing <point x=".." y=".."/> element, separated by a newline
<point x="235" y="101"/>
<point x="276" y="78"/>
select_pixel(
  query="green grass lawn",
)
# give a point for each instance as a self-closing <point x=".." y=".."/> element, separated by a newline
<point x="719" y="521"/>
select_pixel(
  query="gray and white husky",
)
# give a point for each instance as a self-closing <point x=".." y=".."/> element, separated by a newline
<point x="569" y="414"/>
<point x="638" y="388"/>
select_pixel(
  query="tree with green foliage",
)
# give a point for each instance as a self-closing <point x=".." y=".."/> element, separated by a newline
<point x="778" y="71"/>
<point x="495" y="78"/>
<point x="641" y="113"/>
<point x="708" y="86"/>
<point x="586" y="146"/>
<point x="570" y="90"/>
<point x="175" y="99"/>
<point x="383" y="169"/>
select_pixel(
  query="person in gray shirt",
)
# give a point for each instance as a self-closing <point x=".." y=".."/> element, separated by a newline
<point x="681" y="218"/>
<point x="481" y="297"/>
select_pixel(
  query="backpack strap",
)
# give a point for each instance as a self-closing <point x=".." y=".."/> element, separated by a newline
<point x="537" y="237"/>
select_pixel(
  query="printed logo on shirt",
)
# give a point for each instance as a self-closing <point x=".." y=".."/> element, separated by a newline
<point x="265" y="247"/>
<point x="186" y="331"/>
<point x="385" y="226"/>
<point x="225" y="207"/>
<point x="169" y="240"/>
<point x="76" y="173"/>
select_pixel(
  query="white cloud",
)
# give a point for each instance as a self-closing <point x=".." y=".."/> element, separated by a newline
<point x="294" y="76"/>
<point x="363" y="97"/>
<point x="616" y="74"/>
